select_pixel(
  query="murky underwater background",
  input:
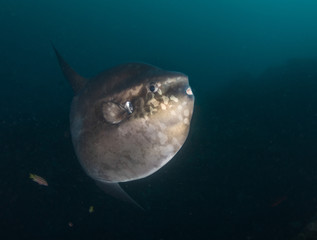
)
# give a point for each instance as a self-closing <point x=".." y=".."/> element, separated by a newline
<point x="249" y="167"/>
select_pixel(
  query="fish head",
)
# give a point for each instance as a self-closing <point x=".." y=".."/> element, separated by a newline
<point x="127" y="126"/>
<point x="168" y="99"/>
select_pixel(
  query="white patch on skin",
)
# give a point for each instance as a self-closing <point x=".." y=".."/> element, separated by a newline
<point x="186" y="112"/>
<point x="154" y="102"/>
<point x="165" y="100"/>
<point x="159" y="91"/>
<point x="162" y="126"/>
<point x="163" y="106"/>
<point x="163" y="138"/>
<point x="180" y="107"/>
<point x="123" y="130"/>
<point x="180" y="118"/>
<point x="152" y="110"/>
<point x="167" y="150"/>
<point x="175" y="142"/>
<point x="184" y="103"/>
<point x="112" y="114"/>
<point x="173" y="112"/>
<point x="186" y="121"/>
<point x="152" y="132"/>
<point x="173" y="98"/>
<point x="170" y="80"/>
<point x="151" y="128"/>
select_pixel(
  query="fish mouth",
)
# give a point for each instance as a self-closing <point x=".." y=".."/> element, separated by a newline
<point x="189" y="91"/>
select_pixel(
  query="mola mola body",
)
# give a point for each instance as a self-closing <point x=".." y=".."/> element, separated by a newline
<point x="128" y="122"/>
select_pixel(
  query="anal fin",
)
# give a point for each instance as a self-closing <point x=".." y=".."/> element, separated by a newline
<point x="115" y="190"/>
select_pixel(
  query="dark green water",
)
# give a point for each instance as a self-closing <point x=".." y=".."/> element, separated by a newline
<point x="249" y="167"/>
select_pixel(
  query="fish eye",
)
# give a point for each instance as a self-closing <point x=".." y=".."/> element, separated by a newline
<point x="153" y="87"/>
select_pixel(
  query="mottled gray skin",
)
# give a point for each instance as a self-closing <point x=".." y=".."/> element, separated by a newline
<point x="115" y="145"/>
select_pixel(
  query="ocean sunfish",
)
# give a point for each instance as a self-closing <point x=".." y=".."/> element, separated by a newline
<point x="127" y="122"/>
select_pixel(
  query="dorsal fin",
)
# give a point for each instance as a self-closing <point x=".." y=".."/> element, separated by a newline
<point x="76" y="81"/>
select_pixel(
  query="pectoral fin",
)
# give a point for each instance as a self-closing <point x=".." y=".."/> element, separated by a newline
<point x="116" y="191"/>
<point x="113" y="113"/>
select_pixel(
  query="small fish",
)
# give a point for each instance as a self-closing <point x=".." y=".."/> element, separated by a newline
<point x="279" y="201"/>
<point x="38" y="179"/>
<point x="91" y="209"/>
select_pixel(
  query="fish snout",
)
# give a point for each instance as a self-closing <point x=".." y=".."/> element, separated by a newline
<point x="182" y="85"/>
<point x="178" y="84"/>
